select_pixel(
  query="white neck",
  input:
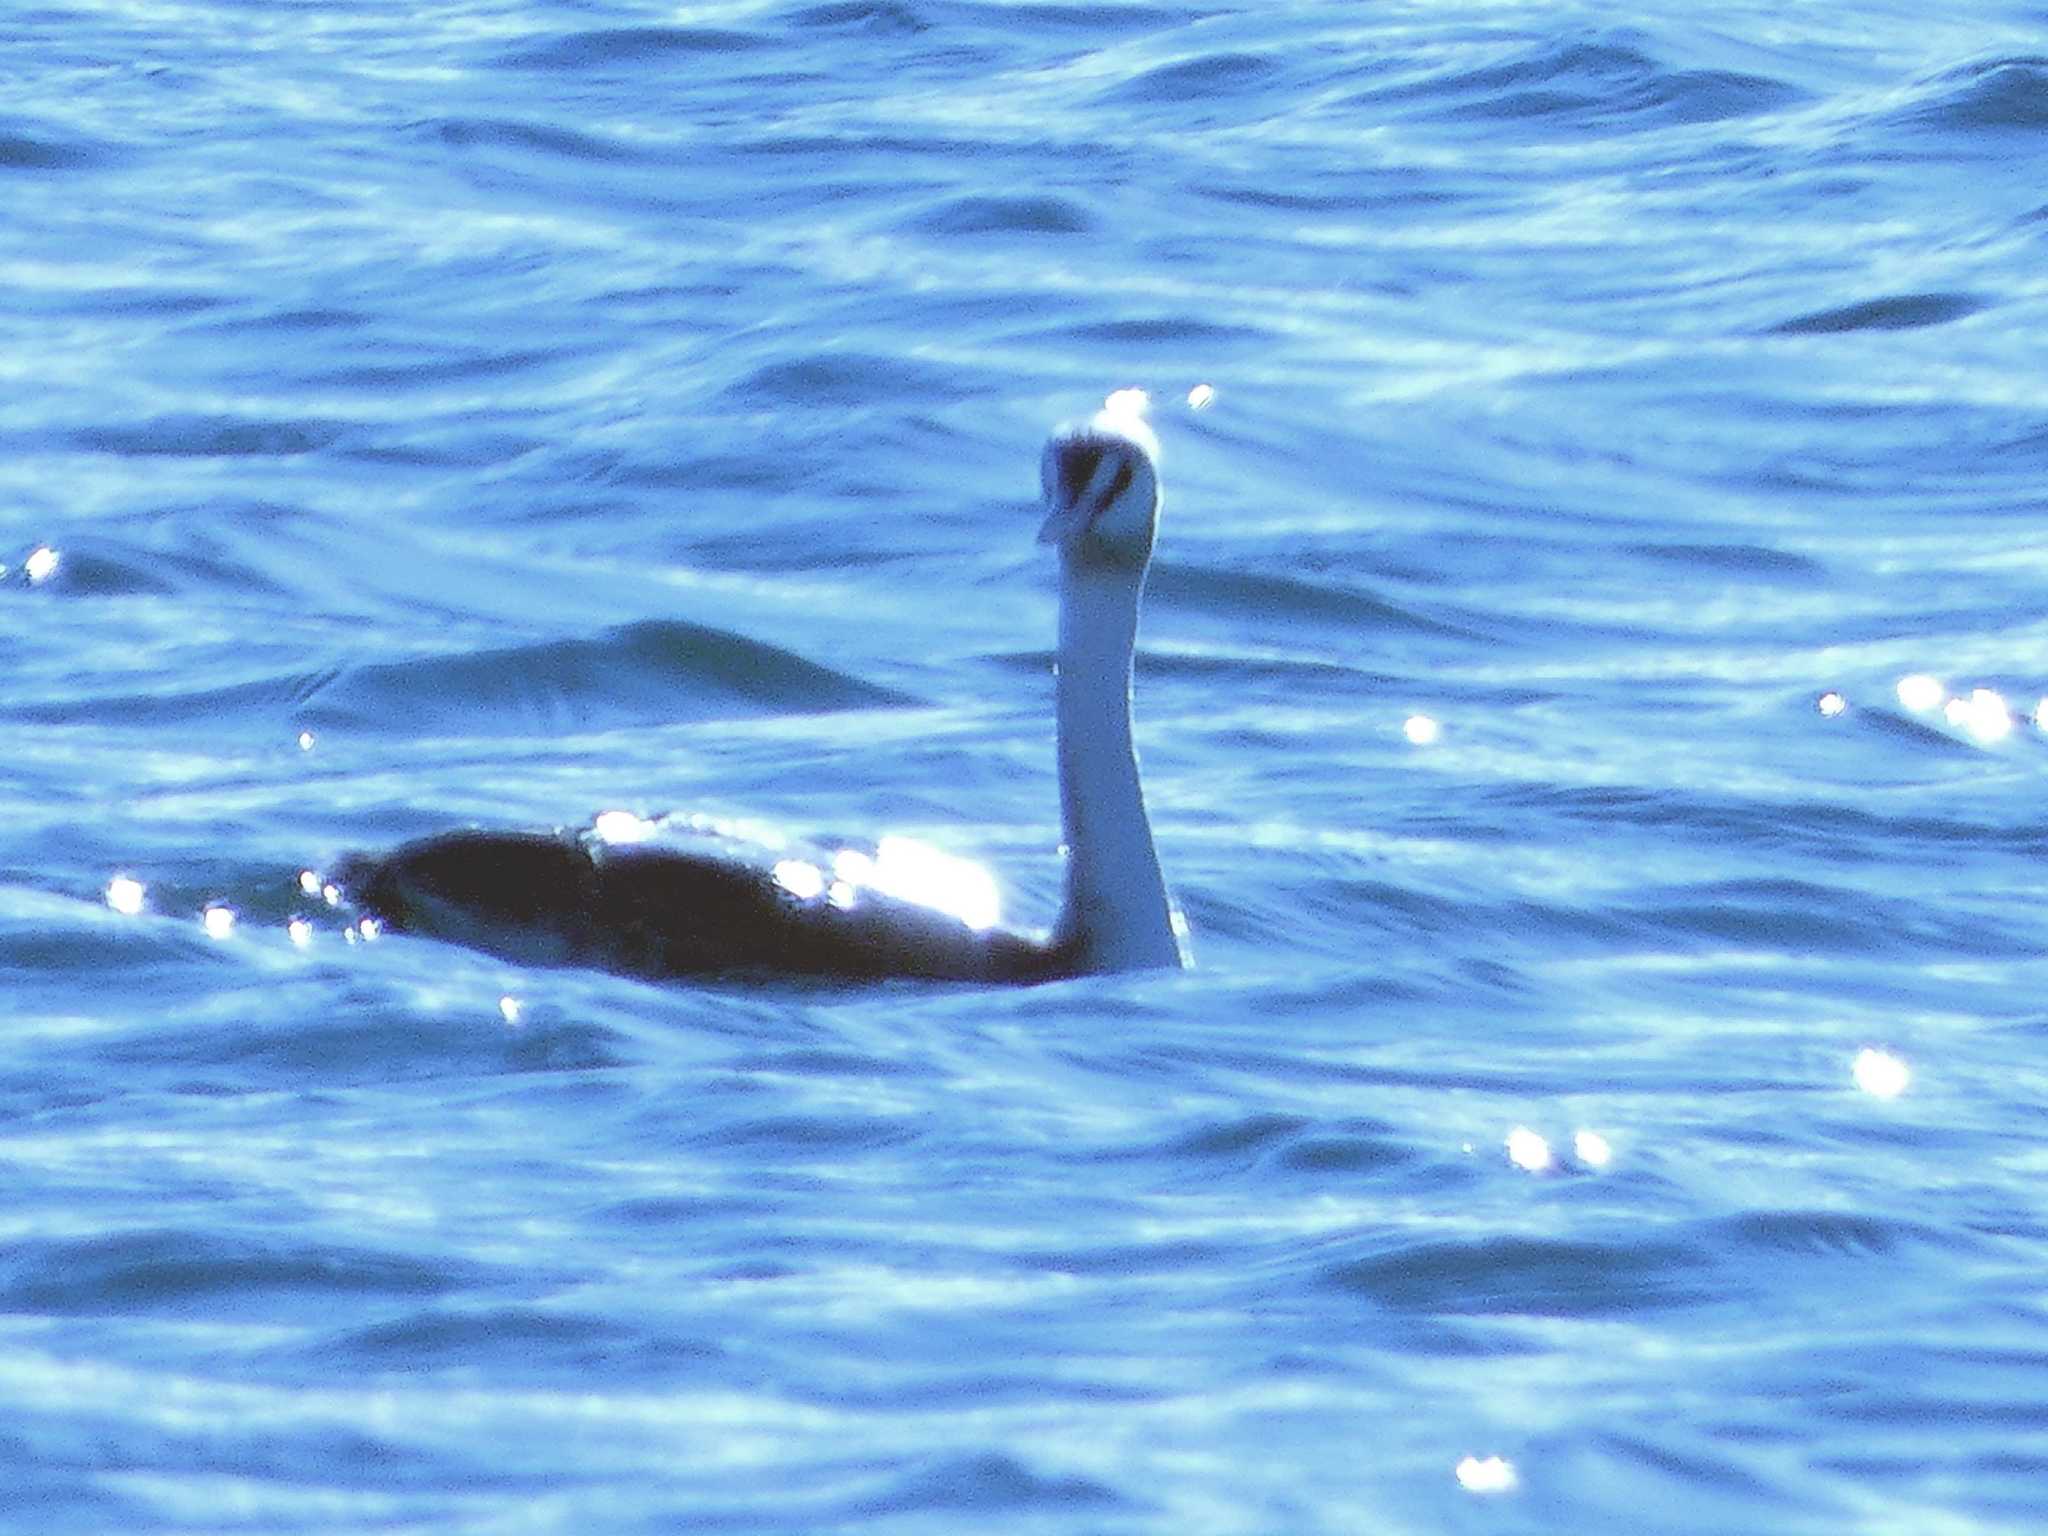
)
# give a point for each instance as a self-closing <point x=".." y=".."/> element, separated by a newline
<point x="1116" y="914"/>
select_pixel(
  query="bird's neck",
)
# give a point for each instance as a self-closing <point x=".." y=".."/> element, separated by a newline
<point x="1116" y="916"/>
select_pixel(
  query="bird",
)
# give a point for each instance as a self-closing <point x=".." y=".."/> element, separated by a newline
<point x="612" y="897"/>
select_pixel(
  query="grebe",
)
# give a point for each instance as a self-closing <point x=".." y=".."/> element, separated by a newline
<point x="589" y="898"/>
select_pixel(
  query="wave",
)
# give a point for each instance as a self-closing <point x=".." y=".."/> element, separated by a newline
<point x="1040" y="214"/>
<point x="1186" y="81"/>
<point x="1802" y="917"/>
<point x="543" y="138"/>
<point x="520" y="1339"/>
<point x="1901" y="312"/>
<point x="1753" y="560"/>
<point x="981" y="1484"/>
<point x="375" y="1041"/>
<point x="654" y="672"/>
<point x="878" y="18"/>
<point x="170" y="1271"/>
<point x="1995" y="95"/>
<point x="187" y="435"/>
<point x="852" y="379"/>
<point x="631" y="47"/>
<point x="1289" y="1143"/>
<point x="39" y="150"/>
<point x="1525" y="1276"/>
<point x="1582" y="84"/>
<point x="1219" y="592"/>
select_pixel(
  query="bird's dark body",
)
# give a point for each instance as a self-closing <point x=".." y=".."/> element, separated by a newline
<point x="661" y="913"/>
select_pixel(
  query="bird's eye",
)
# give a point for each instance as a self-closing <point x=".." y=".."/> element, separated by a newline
<point x="1077" y="468"/>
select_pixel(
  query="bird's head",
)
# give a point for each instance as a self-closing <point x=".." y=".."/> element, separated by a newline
<point x="1101" y="484"/>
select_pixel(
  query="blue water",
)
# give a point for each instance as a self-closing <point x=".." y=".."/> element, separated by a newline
<point x="1622" y="1112"/>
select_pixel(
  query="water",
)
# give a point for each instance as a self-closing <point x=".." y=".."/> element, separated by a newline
<point x="1621" y="1112"/>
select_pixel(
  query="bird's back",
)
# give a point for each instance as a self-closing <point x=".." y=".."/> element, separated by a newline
<point x="662" y="912"/>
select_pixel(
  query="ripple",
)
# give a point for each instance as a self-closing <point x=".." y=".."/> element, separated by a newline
<point x="468" y="366"/>
<point x="1231" y="1140"/>
<point x="1781" y="915"/>
<point x="810" y="1135"/>
<point x="1745" y="559"/>
<point x="834" y="148"/>
<point x="259" y="701"/>
<point x="850" y="379"/>
<point x="40" y="932"/>
<point x="522" y="1340"/>
<point x="191" y="436"/>
<point x="1365" y="1150"/>
<point x="1189" y="80"/>
<point x="1580" y="84"/>
<point x="827" y="1063"/>
<point x="632" y="46"/>
<point x="374" y="1041"/>
<point x="985" y="1483"/>
<point x="511" y="133"/>
<point x="295" y="320"/>
<point x="1102" y="20"/>
<point x="564" y="1047"/>
<point x="86" y="574"/>
<point x="880" y="18"/>
<point x="1353" y="189"/>
<point x="1032" y="215"/>
<point x="656" y="671"/>
<point x="688" y="1211"/>
<point x="160" y="1270"/>
<point x="1901" y="312"/>
<point x="1880" y="720"/>
<point x="1995" y="94"/>
<point x="1165" y="1256"/>
<point x="1834" y="1234"/>
<point x="21" y="151"/>
<point x="1215" y="590"/>
<point x="1528" y="1276"/>
<point x="1165" y="331"/>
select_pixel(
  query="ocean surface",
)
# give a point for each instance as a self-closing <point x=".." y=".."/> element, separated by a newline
<point x="1587" y="699"/>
